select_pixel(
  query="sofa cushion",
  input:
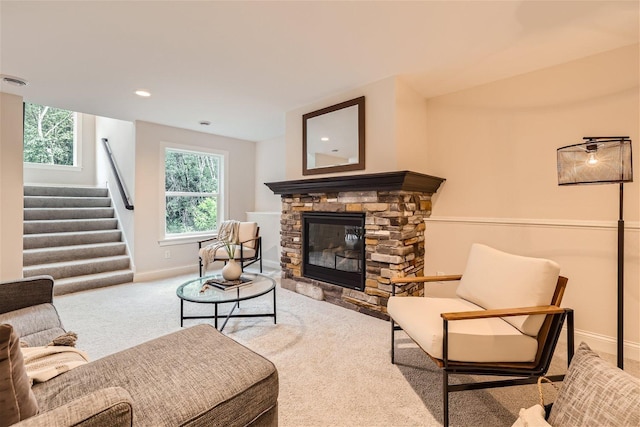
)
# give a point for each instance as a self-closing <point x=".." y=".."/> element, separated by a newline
<point x="477" y="340"/>
<point x="495" y="279"/>
<point x="37" y="325"/>
<point x="194" y="377"/>
<point x="17" y="401"/>
<point x="596" y="393"/>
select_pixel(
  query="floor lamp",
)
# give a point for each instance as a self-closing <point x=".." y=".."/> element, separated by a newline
<point x="602" y="160"/>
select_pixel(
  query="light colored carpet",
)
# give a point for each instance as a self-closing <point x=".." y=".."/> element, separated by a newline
<point x="334" y="364"/>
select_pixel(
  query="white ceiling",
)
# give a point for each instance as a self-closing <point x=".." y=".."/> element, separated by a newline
<point x="242" y="65"/>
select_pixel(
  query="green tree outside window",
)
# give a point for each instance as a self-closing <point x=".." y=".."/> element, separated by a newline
<point x="192" y="191"/>
<point x="49" y="136"/>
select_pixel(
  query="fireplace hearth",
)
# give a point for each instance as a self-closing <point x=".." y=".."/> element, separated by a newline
<point x="344" y="238"/>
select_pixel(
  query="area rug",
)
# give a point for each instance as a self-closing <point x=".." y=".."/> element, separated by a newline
<point x="333" y="363"/>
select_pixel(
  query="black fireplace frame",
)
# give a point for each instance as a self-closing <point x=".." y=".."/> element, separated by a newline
<point x="346" y="279"/>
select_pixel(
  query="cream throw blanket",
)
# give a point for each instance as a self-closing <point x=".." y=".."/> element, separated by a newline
<point x="228" y="232"/>
<point x="44" y="363"/>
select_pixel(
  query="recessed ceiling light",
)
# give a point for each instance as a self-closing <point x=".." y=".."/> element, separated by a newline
<point x="143" y="93"/>
<point x="324" y="138"/>
<point x="205" y="122"/>
<point x="13" y="80"/>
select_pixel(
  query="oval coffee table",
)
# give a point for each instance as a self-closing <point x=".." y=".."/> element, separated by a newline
<point x="192" y="291"/>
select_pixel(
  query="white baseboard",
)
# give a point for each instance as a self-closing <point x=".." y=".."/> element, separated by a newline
<point x="604" y="344"/>
<point x="163" y="274"/>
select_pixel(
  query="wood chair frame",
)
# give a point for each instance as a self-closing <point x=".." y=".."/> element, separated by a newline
<point x="528" y="372"/>
<point x="244" y="261"/>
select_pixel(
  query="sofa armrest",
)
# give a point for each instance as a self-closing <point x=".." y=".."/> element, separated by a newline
<point x="107" y="407"/>
<point x="22" y="293"/>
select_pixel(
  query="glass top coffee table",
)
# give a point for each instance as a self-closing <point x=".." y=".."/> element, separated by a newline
<point x="193" y="291"/>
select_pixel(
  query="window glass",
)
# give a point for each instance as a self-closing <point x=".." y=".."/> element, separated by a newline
<point x="192" y="191"/>
<point x="49" y="135"/>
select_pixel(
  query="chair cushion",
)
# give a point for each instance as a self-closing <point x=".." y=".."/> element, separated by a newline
<point x="221" y="253"/>
<point x="494" y="279"/>
<point x="477" y="340"/>
<point x="246" y="231"/>
<point x="17" y="401"/>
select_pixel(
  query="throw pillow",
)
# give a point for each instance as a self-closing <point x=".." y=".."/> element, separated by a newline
<point x="17" y="401"/>
<point x="596" y="393"/>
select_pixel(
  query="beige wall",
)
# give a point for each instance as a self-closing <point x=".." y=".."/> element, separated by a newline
<point x="496" y="146"/>
<point x="270" y="167"/>
<point x="410" y="128"/>
<point x="148" y="251"/>
<point x="11" y="189"/>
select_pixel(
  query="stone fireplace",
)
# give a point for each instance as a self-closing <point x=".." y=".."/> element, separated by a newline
<point x="393" y="206"/>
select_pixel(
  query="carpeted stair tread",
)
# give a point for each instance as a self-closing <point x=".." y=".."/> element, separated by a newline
<point x="72" y="234"/>
<point x="64" y="225"/>
<point x="32" y="241"/>
<point x="81" y="267"/>
<point x="65" y="202"/>
<point x="66" y="253"/>
<point x="67" y="213"/>
<point x="38" y="190"/>
<point x="92" y="281"/>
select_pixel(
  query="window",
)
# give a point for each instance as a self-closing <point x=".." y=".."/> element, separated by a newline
<point x="193" y="187"/>
<point x="50" y="136"/>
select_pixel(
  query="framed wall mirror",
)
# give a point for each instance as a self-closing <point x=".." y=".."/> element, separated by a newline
<point x="333" y="138"/>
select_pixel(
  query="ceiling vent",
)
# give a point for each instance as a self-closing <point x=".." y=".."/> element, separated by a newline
<point x="12" y="80"/>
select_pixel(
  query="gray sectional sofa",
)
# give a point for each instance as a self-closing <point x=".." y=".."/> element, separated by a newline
<point x="193" y="377"/>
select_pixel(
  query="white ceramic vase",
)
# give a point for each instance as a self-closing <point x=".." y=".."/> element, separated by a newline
<point x="232" y="270"/>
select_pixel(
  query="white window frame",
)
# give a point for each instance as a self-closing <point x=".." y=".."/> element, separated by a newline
<point x="77" y="150"/>
<point x="223" y="204"/>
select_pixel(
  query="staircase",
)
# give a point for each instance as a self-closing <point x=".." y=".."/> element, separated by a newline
<point x="71" y="233"/>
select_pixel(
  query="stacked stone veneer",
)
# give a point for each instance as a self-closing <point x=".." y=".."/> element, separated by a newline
<point x="394" y="239"/>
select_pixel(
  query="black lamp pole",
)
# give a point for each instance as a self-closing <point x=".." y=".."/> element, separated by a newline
<point x="621" y="283"/>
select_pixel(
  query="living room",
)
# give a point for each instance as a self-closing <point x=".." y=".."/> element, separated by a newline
<point x="494" y="142"/>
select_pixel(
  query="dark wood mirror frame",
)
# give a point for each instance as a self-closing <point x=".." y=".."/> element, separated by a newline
<point x="360" y="164"/>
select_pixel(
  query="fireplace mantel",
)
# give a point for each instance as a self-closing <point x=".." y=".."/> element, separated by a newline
<point x="386" y="181"/>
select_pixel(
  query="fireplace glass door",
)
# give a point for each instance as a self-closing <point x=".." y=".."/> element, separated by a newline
<point x="333" y="248"/>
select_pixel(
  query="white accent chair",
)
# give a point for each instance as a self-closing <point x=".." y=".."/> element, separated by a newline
<point x="505" y="319"/>
<point x="248" y="249"/>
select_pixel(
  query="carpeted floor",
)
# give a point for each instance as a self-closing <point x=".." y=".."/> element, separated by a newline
<point x="333" y="363"/>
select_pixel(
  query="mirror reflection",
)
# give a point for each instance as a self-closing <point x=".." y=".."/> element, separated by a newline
<point x="333" y="138"/>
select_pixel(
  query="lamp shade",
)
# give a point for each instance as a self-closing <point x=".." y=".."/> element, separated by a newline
<point x="598" y="160"/>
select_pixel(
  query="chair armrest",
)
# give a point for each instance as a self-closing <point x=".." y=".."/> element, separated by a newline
<point x="502" y="312"/>
<point x="250" y="240"/>
<point x="423" y="279"/>
<point x="106" y="407"/>
<point x="211" y="239"/>
<point x="22" y="293"/>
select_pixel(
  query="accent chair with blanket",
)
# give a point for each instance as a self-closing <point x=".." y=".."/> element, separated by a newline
<point x="246" y="241"/>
